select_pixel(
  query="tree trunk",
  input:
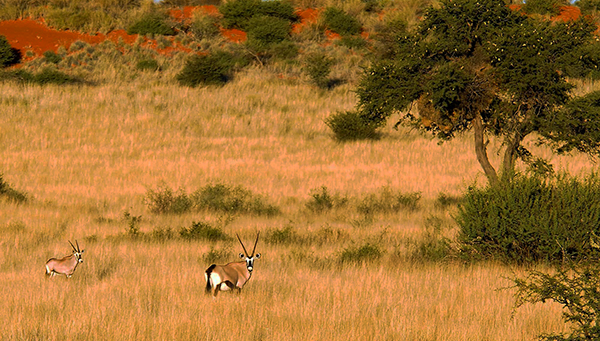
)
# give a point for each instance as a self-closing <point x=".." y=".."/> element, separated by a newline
<point x="481" y="152"/>
<point x="510" y="155"/>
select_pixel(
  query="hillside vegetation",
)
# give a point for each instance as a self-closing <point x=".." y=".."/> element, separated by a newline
<point x="154" y="179"/>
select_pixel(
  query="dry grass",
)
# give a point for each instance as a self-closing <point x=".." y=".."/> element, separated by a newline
<point x="87" y="154"/>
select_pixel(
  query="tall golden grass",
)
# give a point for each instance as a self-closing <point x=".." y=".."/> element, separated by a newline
<point x="87" y="154"/>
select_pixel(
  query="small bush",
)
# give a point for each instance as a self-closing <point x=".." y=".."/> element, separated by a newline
<point x="387" y="201"/>
<point x="152" y="23"/>
<point x="351" y="126"/>
<point x="318" y="66"/>
<point x="444" y="200"/>
<point x="164" y="201"/>
<point x="353" y="42"/>
<point x="216" y="256"/>
<point x="341" y="22"/>
<point x="532" y="219"/>
<point x="265" y="31"/>
<point x="133" y="224"/>
<point x="223" y="198"/>
<point x="11" y="194"/>
<point x="204" y="231"/>
<point x="52" y="57"/>
<point x="204" y="27"/>
<point x="212" y="69"/>
<point x="52" y="76"/>
<point x="147" y="65"/>
<point x="322" y="200"/>
<point x="284" y="50"/>
<point x="161" y="234"/>
<point x="365" y="253"/>
<point x="8" y="55"/>
<point x="283" y="236"/>
<point x="238" y="13"/>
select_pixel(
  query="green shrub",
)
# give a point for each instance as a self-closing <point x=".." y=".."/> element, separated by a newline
<point x="216" y="256"/>
<point x="322" y="200"/>
<point x="284" y="50"/>
<point x="575" y="289"/>
<point x="212" y="69"/>
<point x="359" y="254"/>
<point x="551" y="7"/>
<point x="444" y="200"/>
<point x="52" y="76"/>
<point x="264" y="31"/>
<point x="353" y="42"/>
<point x="204" y="27"/>
<point x="164" y="201"/>
<point x="147" y="65"/>
<point x="341" y="22"/>
<point x="318" y="66"/>
<point x="11" y="194"/>
<point x="204" y="231"/>
<point x="283" y="236"/>
<point x="387" y="201"/>
<point x="351" y="126"/>
<point x="223" y="198"/>
<point x="152" y="23"/>
<point x="531" y="219"/>
<point x="8" y="55"/>
<point x="133" y="224"/>
<point x="237" y="13"/>
<point x="278" y="9"/>
<point x="52" y="57"/>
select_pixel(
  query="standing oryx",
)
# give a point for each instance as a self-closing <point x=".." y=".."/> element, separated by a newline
<point x="66" y="265"/>
<point x="232" y="275"/>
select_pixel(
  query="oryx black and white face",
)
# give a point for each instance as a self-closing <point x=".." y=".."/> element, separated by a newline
<point x="249" y="257"/>
<point x="77" y="252"/>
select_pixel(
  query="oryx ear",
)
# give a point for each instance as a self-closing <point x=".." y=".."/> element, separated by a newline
<point x="257" y="256"/>
<point x="241" y="255"/>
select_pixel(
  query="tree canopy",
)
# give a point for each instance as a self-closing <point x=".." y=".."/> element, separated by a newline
<point x="478" y="65"/>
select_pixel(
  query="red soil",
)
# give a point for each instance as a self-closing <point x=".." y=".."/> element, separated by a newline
<point x="567" y="13"/>
<point x="187" y="12"/>
<point x="307" y="16"/>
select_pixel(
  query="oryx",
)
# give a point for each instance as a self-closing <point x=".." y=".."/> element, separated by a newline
<point x="233" y="275"/>
<point x="66" y="265"/>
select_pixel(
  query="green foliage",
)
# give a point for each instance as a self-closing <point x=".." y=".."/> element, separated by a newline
<point x="318" y="66"/>
<point x="530" y="219"/>
<point x="551" y="7"/>
<point x="322" y="201"/>
<point x="224" y="198"/>
<point x="264" y="31"/>
<point x="433" y="246"/>
<point x="52" y="76"/>
<point x="351" y="126"/>
<point x="8" y="54"/>
<point x="204" y="27"/>
<point x="10" y="194"/>
<point x="573" y="288"/>
<point x="239" y="13"/>
<point x="444" y="200"/>
<point x="387" y="201"/>
<point x="341" y="22"/>
<point x="353" y="42"/>
<point x="147" y="65"/>
<point x="133" y="224"/>
<point x="212" y="69"/>
<point x="283" y="236"/>
<point x="359" y="254"/>
<point x="152" y="23"/>
<point x="203" y="231"/>
<point x="52" y="57"/>
<point x="215" y="256"/>
<point x="588" y="6"/>
<point x="164" y="201"/>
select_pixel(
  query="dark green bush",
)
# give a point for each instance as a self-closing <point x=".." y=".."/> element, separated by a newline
<point x="153" y="23"/>
<point x="444" y="200"/>
<point x="11" y="194"/>
<point x="238" y="13"/>
<point x="224" y="198"/>
<point x="551" y="7"/>
<point x="147" y="65"/>
<point x="351" y="126"/>
<point x="204" y="231"/>
<point x="531" y="219"/>
<point x="353" y="42"/>
<point x="52" y="57"/>
<point x="52" y="76"/>
<point x="284" y="50"/>
<point x="321" y="200"/>
<point x="164" y="201"/>
<point x="278" y="9"/>
<point x="212" y="69"/>
<point x="283" y="236"/>
<point x="341" y="22"/>
<point x="8" y="54"/>
<point x="318" y="66"/>
<point x="204" y="27"/>
<point x="359" y="254"/>
<point x="387" y="201"/>
<point x="264" y="31"/>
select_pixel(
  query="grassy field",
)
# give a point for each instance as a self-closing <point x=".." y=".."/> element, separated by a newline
<point x="85" y="155"/>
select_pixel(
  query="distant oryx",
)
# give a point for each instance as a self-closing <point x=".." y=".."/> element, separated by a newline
<point x="66" y="265"/>
<point x="233" y="275"/>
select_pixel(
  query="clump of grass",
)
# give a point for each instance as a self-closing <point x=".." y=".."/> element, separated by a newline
<point x="282" y="236"/>
<point x="216" y="256"/>
<point x="322" y="201"/>
<point x="164" y="200"/>
<point x="133" y="224"/>
<point x="147" y="65"/>
<point x="203" y="231"/>
<point x="351" y="126"/>
<point x="387" y="201"/>
<point x="10" y="194"/>
<point x="444" y="200"/>
<point x="52" y="57"/>
<point x="358" y="254"/>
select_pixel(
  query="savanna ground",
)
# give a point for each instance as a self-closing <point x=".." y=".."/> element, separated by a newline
<point x="86" y="155"/>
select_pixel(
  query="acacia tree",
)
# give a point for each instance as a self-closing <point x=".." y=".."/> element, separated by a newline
<point x="476" y="65"/>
